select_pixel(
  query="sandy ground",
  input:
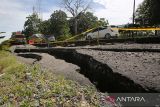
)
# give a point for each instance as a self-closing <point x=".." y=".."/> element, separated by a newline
<point x="142" y="68"/>
<point x="57" y="66"/>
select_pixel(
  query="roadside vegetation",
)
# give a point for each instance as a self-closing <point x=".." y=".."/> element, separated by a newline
<point x="31" y="86"/>
<point x="5" y="45"/>
<point x="60" y="24"/>
<point x="63" y="26"/>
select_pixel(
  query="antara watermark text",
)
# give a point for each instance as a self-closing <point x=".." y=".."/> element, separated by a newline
<point x="130" y="99"/>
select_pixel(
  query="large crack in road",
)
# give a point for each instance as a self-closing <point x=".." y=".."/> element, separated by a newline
<point x="114" y="72"/>
<point x="102" y="75"/>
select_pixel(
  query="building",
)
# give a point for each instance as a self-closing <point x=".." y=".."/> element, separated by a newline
<point x="18" y="38"/>
<point x="37" y="38"/>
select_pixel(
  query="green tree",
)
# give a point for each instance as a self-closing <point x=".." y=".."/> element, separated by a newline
<point x="45" y="27"/>
<point x="32" y="25"/>
<point x="58" y="24"/>
<point x="86" y="21"/>
<point x="148" y="13"/>
<point x="103" y="22"/>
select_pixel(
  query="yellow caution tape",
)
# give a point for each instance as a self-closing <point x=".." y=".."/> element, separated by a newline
<point x="136" y="29"/>
<point x="79" y="34"/>
<point x="124" y="29"/>
<point x="74" y="36"/>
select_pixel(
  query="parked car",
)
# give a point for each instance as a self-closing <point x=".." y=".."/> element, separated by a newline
<point x="103" y="32"/>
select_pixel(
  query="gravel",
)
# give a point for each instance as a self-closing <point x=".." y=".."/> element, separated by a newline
<point x="128" y="46"/>
<point x="142" y="67"/>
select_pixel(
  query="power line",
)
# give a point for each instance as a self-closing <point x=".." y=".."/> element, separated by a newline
<point x="39" y="2"/>
<point x="37" y="9"/>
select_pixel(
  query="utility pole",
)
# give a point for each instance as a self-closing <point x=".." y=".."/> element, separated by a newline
<point x="134" y="11"/>
<point x="133" y="20"/>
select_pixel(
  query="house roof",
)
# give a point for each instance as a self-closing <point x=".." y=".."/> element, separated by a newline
<point x="37" y="35"/>
<point x="18" y="36"/>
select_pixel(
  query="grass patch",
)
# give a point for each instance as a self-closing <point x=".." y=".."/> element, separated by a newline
<point x="29" y="86"/>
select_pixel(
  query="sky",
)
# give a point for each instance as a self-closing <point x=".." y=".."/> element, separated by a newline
<point x="13" y="13"/>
